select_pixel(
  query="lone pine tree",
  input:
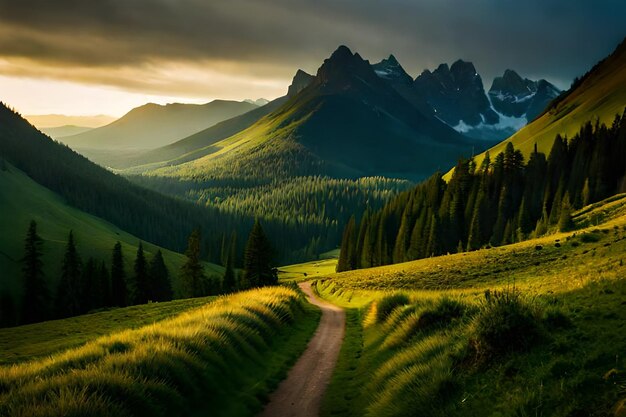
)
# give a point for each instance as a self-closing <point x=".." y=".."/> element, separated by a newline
<point x="69" y="300"/>
<point x="161" y="289"/>
<point x="258" y="259"/>
<point x="36" y="298"/>
<point x="119" y="291"/>
<point x="141" y="278"/>
<point x="192" y="273"/>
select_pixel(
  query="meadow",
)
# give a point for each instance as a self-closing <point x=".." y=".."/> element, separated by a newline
<point x="222" y="359"/>
<point x="532" y="329"/>
<point x="22" y="343"/>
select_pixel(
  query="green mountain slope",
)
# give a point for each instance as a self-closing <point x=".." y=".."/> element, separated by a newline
<point x="201" y="143"/>
<point x="151" y="126"/>
<point x="23" y="200"/>
<point x="600" y="94"/>
<point x="347" y="123"/>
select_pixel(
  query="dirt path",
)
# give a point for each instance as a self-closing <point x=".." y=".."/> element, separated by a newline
<point x="300" y="394"/>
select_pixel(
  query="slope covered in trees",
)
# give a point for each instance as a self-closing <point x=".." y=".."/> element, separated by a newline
<point x="500" y="201"/>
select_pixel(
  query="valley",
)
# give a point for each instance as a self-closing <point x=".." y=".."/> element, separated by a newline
<point x="429" y="222"/>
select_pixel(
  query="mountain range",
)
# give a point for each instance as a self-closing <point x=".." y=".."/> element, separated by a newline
<point x="457" y="96"/>
<point x="345" y="121"/>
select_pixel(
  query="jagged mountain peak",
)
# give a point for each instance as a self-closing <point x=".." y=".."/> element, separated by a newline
<point x="514" y="96"/>
<point x="300" y="81"/>
<point x="343" y="68"/>
<point x="390" y="69"/>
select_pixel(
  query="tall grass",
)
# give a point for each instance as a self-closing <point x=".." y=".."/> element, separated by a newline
<point x="197" y="361"/>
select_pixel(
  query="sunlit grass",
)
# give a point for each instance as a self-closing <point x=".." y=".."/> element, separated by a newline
<point x="449" y="351"/>
<point x="206" y="359"/>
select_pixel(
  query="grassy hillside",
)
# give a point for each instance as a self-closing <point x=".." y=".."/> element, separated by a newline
<point x="221" y="359"/>
<point x="22" y="199"/>
<point x="24" y="343"/>
<point x="535" y="328"/>
<point x="601" y="94"/>
<point x="196" y="145"/>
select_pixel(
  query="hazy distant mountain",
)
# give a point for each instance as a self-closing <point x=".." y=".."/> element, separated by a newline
<point x="55" y="120"/>
<point x="514" y="96"/>
<point x="152" y="125"/>
<point x="347" y="122"/>
<point x="61" y="131"/>
<point x="258" y="102"/>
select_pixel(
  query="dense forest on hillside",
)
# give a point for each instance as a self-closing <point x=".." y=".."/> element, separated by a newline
<point x="314" y="209"/>
<point x="502" y="201"/>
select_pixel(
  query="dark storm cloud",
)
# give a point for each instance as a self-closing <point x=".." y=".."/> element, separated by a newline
<point x="557" y="39"/>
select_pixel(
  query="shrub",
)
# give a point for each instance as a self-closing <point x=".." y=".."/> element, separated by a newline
<point x="556" y="319"/>
<point x="507" y="322"/>
<point x="442" y="314"/>
<point x="590" y="237"/>
<point x="388" y="303"/>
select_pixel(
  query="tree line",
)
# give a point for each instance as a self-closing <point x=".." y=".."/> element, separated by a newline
<point x="95" y="284"/>
<point x="502" y="201"/>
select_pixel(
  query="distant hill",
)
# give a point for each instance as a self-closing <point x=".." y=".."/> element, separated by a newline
<point x="152" y="125"/>
<point x="42" y="121"/>
<point x="67" y="130"/>
<point x="599" y="94"/>
<point x="348" y="122"/>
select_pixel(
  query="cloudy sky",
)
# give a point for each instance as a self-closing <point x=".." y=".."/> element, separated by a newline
<point x="107" y="56"/>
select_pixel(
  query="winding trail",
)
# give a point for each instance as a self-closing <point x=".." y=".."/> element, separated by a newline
<point x="300" y="394"/>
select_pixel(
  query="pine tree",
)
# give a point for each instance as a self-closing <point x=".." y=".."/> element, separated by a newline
<point x="143" y="287"/>
<point x="36" y="298"/>
<point x="257" y="259"/>
<point x="91" y="296"/>
<point x="119" y="289"/>
<point x="433" y="247"/>
<point x="70" y="290"/>
<point x="104" y="284"/>
<point x="192" y="276"/>
<point x="348" y="242"/>
<point x="565" y="220"/>
<point x="161" y="288"/>
<point x="586" y="193"/>
<point x="229" y="281"/>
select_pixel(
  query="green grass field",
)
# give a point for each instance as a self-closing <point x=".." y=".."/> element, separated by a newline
<point x="18" y="344"/>
<point x="423" y="338"/>
<point x="23" y="200"/>
<point x="305" y="271"/>
<point x="222" y="359"/>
